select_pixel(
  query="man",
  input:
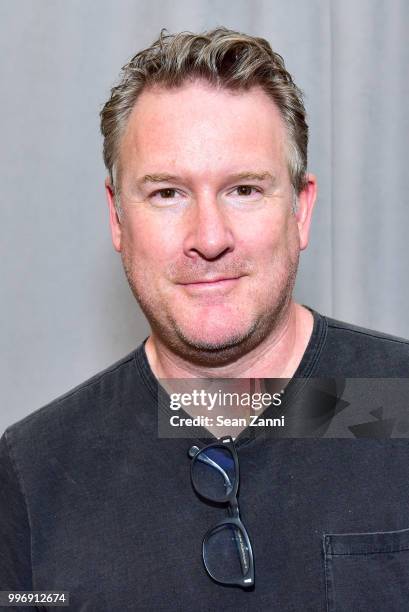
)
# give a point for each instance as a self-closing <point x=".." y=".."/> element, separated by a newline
<point x="210" y="204"/>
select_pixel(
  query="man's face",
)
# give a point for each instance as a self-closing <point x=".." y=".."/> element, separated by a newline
<point x="208" y="238"/>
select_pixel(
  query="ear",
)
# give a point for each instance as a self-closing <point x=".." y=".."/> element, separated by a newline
<point x="306" y="201"/>
<point x="114" y="220"/>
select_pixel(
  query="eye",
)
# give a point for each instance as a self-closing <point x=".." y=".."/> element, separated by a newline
<point x="244" y="190"/>
<point x="247" y="192"/>
<point x="166" y="196"/>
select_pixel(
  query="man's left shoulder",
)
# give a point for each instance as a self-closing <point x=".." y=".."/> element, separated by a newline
<point x="370" y="352"/>
<point x="366" y="333"/>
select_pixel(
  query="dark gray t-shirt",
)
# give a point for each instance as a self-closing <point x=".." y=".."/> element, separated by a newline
<point x="94" y="503"/>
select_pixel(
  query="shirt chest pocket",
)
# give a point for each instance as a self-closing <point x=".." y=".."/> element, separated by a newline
<point x="367" y="572"/>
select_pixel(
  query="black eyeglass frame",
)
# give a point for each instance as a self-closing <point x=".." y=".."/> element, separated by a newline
<point x="234" y="519"/>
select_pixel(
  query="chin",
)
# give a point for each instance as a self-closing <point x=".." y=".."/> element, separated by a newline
<point x="214" y="333"/>
<point x="212" y="342"/>
<point x="214" y="347"/>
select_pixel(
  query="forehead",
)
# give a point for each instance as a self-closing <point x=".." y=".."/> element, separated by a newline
<point x="198" y="126"/>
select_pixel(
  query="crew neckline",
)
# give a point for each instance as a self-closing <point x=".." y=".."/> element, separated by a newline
<point x="305" y="370"/>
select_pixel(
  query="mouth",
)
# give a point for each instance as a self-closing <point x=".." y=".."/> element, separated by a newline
<point x="213" y="284"/>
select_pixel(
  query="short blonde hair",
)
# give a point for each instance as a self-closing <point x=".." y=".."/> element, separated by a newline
<point x="224" y="58"/>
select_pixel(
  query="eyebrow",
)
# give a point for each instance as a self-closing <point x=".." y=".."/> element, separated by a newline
<point x="163" y="177"/>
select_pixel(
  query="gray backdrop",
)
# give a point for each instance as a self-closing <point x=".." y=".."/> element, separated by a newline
<point x="66" y="309"/>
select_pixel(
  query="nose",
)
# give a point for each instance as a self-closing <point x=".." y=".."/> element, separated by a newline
<point x="208" y="234"/>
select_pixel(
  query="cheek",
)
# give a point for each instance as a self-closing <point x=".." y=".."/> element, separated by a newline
<point x="147" y="254"/>
<point x="273" y="243"/>
<point x="292" y="236"/>
<point x="146" y="243"/>
<point x="261" y="240"/>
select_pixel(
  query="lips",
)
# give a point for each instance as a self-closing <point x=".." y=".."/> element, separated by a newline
<point x="210" y="281"/>
<point x="211" y="286"/>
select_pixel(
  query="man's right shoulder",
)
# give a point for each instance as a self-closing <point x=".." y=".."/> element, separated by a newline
<point x="79" y="408"/>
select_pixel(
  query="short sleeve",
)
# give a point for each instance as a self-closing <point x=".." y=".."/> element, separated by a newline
<point x="15" y="549"/>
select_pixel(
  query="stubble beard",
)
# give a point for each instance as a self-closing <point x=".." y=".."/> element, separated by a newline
<point x="212" y="354"/>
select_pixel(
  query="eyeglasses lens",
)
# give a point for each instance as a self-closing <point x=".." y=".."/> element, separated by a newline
<point x="214" y="473"/>
<point x="226" y="553"/>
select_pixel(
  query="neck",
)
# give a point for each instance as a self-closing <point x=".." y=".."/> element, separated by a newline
<point x="277" y="356"/>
